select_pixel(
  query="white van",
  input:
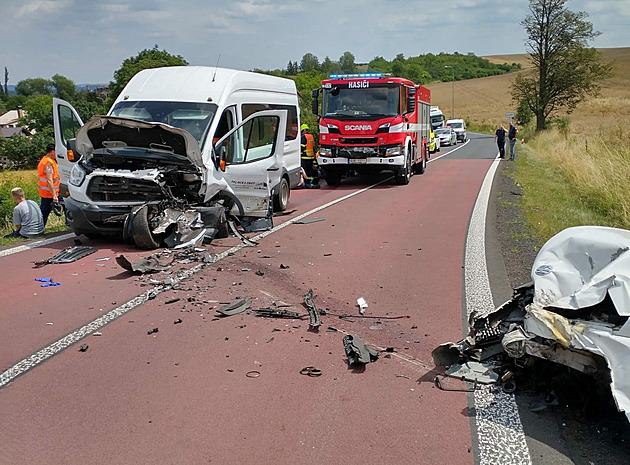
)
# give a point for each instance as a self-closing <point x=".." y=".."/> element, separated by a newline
<point x="459" y="126"/>
<point x="175" y="139"/>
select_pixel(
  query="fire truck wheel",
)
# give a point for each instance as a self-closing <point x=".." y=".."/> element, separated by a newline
<point x="403" y="176"/>
<point x="421" y="167"/>
<point x="140" y="229"/>
<point x="333" y="177"/>
<point x="281" y="200"/>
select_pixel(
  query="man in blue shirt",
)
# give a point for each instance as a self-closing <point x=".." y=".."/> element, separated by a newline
<point x="512" y="137"/>
<point x="27" y="217"/>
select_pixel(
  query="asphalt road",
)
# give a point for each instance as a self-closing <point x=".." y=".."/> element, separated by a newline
<point x="229" y="390"/>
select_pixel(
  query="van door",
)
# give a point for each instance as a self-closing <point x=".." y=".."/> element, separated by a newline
<point x="250" y="156"/>
<point x="66" y="124"/>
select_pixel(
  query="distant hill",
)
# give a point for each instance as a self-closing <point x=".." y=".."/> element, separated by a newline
<point x="486" y="100"/>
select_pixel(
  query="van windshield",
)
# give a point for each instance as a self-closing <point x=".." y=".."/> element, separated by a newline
<point x="456" y="125"/>
<point x="189" y="116"/>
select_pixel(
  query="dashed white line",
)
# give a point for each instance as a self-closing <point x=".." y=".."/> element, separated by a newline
<point x="499" y="430"/>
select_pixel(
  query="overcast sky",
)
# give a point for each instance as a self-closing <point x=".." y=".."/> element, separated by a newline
<point x="87" y="40"/>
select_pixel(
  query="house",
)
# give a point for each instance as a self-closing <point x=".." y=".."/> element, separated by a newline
<point x="11" y="118"/>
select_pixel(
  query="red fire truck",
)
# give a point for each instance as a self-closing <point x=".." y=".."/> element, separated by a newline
<point x="372" y="122"/>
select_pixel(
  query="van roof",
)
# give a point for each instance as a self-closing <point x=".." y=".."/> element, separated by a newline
<point x="198" y="84"/>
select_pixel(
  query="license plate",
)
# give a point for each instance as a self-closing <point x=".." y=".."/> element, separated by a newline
<point x="357" y="161"/>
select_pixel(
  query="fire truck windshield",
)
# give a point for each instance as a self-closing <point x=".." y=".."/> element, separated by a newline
<point x="363" y="103"/>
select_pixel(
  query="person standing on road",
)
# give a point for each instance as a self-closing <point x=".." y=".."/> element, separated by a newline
<point x="499" y="138"/>
<point x="512" y="137"/>
<point x="27" y="217"/>
<point x="48" y="182"/>
<point x="308" y="160"/>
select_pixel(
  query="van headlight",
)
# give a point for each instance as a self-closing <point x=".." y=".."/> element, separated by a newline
<point x="394" y="151"/>
<point x="77" y="175"/>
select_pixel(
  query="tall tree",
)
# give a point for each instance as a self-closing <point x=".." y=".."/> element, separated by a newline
<point x="330" y="67"/>
<point x="6" y="81"/>
<point x="32" y="87"/>
<point x="148" y="58"/>
<point x="64" y="87"/>
<point x="566" y="69"/>
<point x="309" y="63"/>
<point x="346" y="61"/>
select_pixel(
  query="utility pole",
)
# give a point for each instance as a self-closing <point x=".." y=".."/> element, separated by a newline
<point x="452" y="91"/>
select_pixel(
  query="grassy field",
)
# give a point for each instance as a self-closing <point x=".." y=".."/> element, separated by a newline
<point x="27" y="180"/>
<point x="576" y="177"/>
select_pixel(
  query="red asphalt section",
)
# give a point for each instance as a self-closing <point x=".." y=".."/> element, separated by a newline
<point x="182" y="395"/>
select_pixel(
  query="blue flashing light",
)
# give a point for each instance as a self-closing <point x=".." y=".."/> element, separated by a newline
<point x="354" y="76"/>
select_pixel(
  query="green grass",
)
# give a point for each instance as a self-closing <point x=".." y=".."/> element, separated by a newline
<point x="27" y="180"/>
<point x="565" y="185"/>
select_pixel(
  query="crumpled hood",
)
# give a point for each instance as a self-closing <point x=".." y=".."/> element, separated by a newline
<point x="108" y="132"/>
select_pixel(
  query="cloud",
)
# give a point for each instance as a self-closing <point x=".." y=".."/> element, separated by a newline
<point x="40" y="8"/>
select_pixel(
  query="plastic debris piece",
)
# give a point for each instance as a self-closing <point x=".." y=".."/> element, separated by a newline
<point x="260" y="273"/>
<point x="357" y="352"/>
<point x="145" y="265"/>
<point x="253" y="374"/>
<point x="97" y="333"/>
<point x="309" y="220"/>
<point x="43" y="280"/>
<point x="309" y="303"/>
<point x="102" y="259"/>
<point x="172" y="301"/>
<point x="276" y="313"/>
<point x="83" y="348"/>
<point x="473" y="371"/>
<point x="362" y="305"/>
<point x="50" y="284"/>
<point x="284" y="267"/>
<point x="311" y="371"/>
<point x="68" y="255"/>
<point x="151" y="331"/>
<point x="178" y="321"/>
<point x="233" y="308"/>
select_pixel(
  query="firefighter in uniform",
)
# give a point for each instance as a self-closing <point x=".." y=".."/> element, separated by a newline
<point x="48" y="182"/>
<point x="309" y="161"/>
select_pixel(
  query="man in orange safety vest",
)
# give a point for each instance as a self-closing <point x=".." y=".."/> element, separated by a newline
<point x="48" y="182"/>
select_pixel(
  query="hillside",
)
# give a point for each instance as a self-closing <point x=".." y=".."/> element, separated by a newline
<point x="486" y="100"/>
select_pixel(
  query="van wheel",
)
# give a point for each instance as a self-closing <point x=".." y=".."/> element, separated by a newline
<point x="140" y="230"/>
<point x="281" y="200"/>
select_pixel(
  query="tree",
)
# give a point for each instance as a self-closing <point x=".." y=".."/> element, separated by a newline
<point x="329" y="67"/>
<point x="148" y="58"/>
<point x="566" y="70"/>
<point x="292" y="68"/>
<point x="346" y="61"/>
<point x="64" y="87"/>
<point x="32" y="87"/>
<point x="38" y="114"/>
<point x="309" y="63"/>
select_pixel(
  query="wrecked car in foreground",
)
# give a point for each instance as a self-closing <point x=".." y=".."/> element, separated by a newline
<point x="575" y="313"/>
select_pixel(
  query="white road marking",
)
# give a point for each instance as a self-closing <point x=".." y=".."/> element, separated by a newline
<point x="449" y="152"/>
<point x="499" y="430"/>
<point x="30" y="362"/>
<point x="32" y="245"/>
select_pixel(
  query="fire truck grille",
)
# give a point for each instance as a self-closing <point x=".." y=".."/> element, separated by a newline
<point x="358" y="140"/>
<point x="114" y="189"/>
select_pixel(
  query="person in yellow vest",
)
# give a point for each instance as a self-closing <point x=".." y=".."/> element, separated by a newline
<point x="309" y="161"/>
<point x="48" y="182"/>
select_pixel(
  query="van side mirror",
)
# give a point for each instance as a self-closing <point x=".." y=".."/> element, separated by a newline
<point x="71" y="153"/>
<point x="411" y="100"/>
<point x="222" y="157"/>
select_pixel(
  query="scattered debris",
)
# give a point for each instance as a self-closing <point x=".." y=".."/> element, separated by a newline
<point x="233" y="308"/>
<point x="284" y="267"/>
<point x="43" y="280"/>
<point x="357" y="352"/>
<point x="97" y="333"/>
<point x="309" y="303"/>
<point x="284" y="213"/>
<point x="253" y="374"/>
<point x="473" y="372"/>
<point x="260" y="273"/>
<point x="151" y="331"/>
<point x="143" y="266"/>
<point x="178" y="321"/>
<point x="102" y="259"/>
<point x="362" y="305"/>
<point x="276" y="313"/>
<point x="311" y="371"/>
<point x="68" y="255"/>
<point x="51" y="284"/>
<point x="83" y="348"/>
<point x="172" y="301"/>
<point x="243" y="239"/>
<point x="309" y="220"/>
<point x="402" y="376"/>
<point x="269" y="340"/>
<point x="331" y="329"/>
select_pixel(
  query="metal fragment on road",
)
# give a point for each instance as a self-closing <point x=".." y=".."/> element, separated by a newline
<point x="143" y="266"/>
<point x="357" y="352"/>
<point x="270" y="312"/>
<point x="309" y="220"/>
<point x="68" y="255"/>
<point x="233" y="308"/>
<point x="473" y="372"/>
<point x="309" y="303"/>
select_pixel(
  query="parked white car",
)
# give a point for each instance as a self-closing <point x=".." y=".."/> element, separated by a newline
<point x="446" y="136"/>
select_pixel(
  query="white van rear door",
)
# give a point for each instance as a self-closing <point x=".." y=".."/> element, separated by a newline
<point x="66" y="124"/>
<point x="252" y="156"/>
